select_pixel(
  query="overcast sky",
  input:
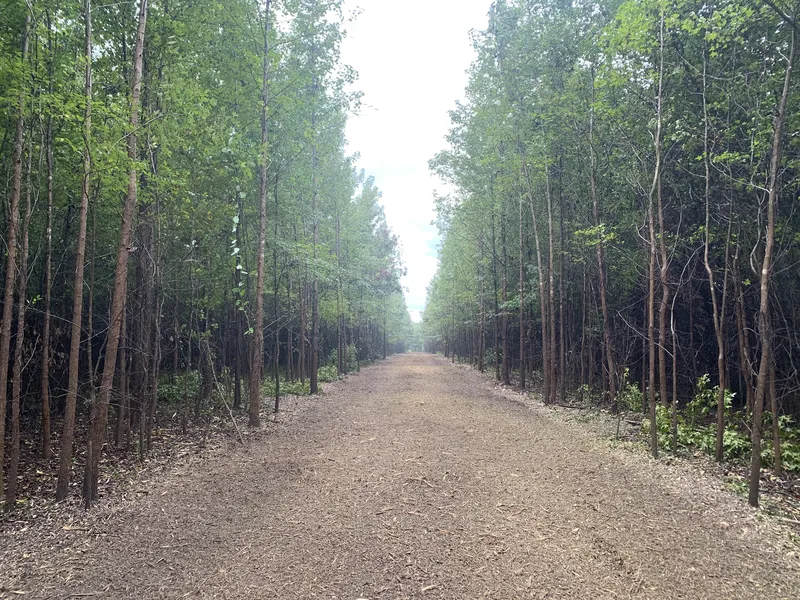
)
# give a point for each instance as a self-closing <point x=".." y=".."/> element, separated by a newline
<point x="411" y="57"/>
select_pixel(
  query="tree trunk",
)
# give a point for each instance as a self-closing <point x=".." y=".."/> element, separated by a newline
<point x="314" y="382"/>
<point x="764" y="325"/>
<point x="496" y="306"/>
<point x="551" y="302"/>
<point x="504" y="320"/>
<point x="482" y="331"/>
<point x="289" y="332"/>
<point x="777" y="465"/>
<point x="542" y="288"/>
<point x="743" y="333"/>
<point x="16" y="381"/>
<point x="301" y="359"/>
<point x="717" y="312"/>
<point x="257" y="352"/>
<point x="521" y="301"/>
<point x="99" y="411"/>
<point x="47" y="451"/>
<point x="11" y="257"/>
<point x="601" y="266"/>
<point x="651" y="300"/>
<point x="275" y="308"/>
<point x="68" y="434"/>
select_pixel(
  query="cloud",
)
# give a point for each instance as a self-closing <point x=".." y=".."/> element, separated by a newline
<point x="411" y="57"/>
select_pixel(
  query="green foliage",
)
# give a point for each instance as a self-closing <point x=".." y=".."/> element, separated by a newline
<point x="704" y="402"/>
<point x="695" y="432"/>
<point x="287" y="388"/>
<point x="174" y="390"/>
<point x="630" y="396"/>
<point x="327" y="373"/>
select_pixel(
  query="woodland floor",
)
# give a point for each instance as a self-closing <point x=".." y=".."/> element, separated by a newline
<point x="414" y="479"/>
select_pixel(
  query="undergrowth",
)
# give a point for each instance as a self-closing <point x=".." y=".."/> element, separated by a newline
<point x="697" y="429"/>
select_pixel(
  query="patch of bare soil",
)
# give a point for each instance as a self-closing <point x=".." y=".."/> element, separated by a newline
<point x="412" y="480"/>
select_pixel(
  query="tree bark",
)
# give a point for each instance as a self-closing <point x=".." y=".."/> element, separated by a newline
<point x="99" y="413"/>
<point x="68" y="434"/>
<point x="542" y="287"/>
<point x="521" y="301"/>
<point x="16" y="381"/>
<point x="553" y="346"/>
<point x="47" y="451"/>
<point x="777" y="463"/>
<point x="504" y="298"/>
<point x="655" y="189"/>
<point x="764" y="325"/>
<point x="717" y="313"/>
<point x="11" y="258"/>
<point x="496" y="328"/>
<point x="601" y="265"/>
<point x="257" y="351"/>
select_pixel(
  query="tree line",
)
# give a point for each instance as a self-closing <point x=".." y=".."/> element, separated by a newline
<point x="624" y="218"/>
<point x="183" y="226"/>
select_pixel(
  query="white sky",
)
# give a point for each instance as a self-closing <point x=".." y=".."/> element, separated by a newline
<point x="411" y="57"/>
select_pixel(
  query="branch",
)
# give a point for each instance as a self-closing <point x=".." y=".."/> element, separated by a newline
<point x="785" y="17"/>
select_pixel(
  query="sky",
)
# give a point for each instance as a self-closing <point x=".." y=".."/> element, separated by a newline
<point x="411" y="57"/>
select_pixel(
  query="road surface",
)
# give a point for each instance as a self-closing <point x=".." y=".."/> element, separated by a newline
<point x="416" y="479"/>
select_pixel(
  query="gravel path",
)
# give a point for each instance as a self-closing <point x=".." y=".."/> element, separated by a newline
<point x="415" y="479"/>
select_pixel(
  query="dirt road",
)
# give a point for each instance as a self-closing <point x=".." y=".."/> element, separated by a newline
<point x="416" y="480"/>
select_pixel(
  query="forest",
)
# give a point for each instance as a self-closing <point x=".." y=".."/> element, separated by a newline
<point x="622" y="221"/>
<point x="184" y="229"/>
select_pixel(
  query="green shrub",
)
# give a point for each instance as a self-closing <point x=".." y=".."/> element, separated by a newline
<point x="288" y="388"/>
<point x="352" y="358"/>
<point x="182" y="384"/>
<point x="328" y="373"/>
<point x="697" y="429"/>
<point x="630" y="396"/>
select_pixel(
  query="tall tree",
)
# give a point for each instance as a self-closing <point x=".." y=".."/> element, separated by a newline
<point x="11" y="243"/>
<point x="99" y="410"/>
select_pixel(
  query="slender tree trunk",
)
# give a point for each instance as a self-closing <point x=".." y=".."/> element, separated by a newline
<point x="302" y="333"/>
<point x="68" y="434"/>
<point x="717" y="313"/>
<point x="47" y="451"/>
<point x="340" y="334"/>
<point x="601" y="265"/>
<point x="124" y="408"/>
<point x="11" y="257"/>
<point x="651" y="296"/>
<point x="777" y="465"/>
<point x="504" y="320"/>
<point x="100" y="408"/>
<point x="276" y="359"/>
<point x="91" y="369"/>
<point x="664" y="257"/>
<point x="521" y="300"/>
<point x="584" y="329"/>
<point x="482" y="331"/>
<point x="743" y="333"/>
<point x="16" y="381"/>
<point x="496" y="305"/>
<point x="314" y="383"/>
<point x="289" y="332"/>
<point x="257" y="353"/>
<point x="764" y="325"/>
<point x="553" y="346"/>
<point x="674" y="335"/>
<point x="238" y="318"/>
<point x="548" y="383"/>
